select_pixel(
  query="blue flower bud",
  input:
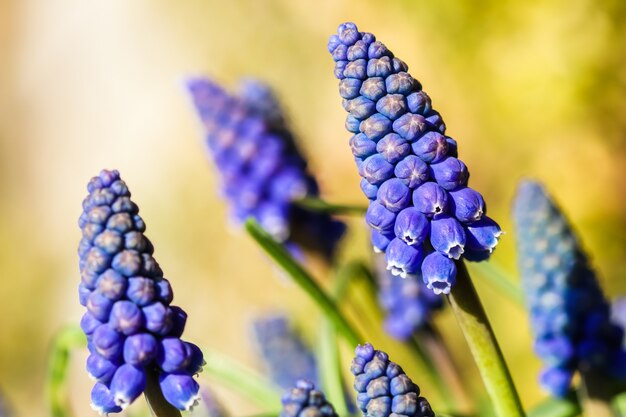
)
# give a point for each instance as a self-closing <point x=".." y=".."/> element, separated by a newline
<point x="376" y="126"/>
<point x="451" y="173"/>
<point x="394" y="195"/>
<point x="196" y="359"/>
<point x="348" y="33"/>
<point x="370" y="190"/>
<point x="431" y="147"/>
<point x="361" y="146"/>
<point x="109" y="241"/>
<point x="180" y="390"/>
<point x="380" y="218"/>
<point x="439" y="272"/>
<point x="376" y="169"/>
<point x="126" y="317"/>
<point x="401" y="83"/>
<point x="377" y="50"/>
<point x="84" y="292"/>
<point x="384" y="390"/>
<point x="356" y="69"/>
<point x="360" y="107"/>
<point x="340" y="53"/>
<point x="108" y="342"/>
<point x="158" y="318"/>
<point x="556" y="380"/>
<point x="340" y="67"/>
<point x="357" y="51"/>
<point x="101" y="369"/>
<point x="393" y="148"/>
<point x="411" y="226"/>
<point x="173" y="355"/>
<point x="391" y="106"/>
<point x="305" y="401"/>
<point x="467" y="205"/>
<point x="141" y="291"/>
<point x="412" y="171"/>
<point x="127" y="384"/>
<point x="419" y="103"/>
<point x="111" y="285"/>
<point x="349" y="88"/>
<point x="102" y="400"/>
<point x="483" y="235"/>
<point x="140" y="349"/>
<point x="127" y="263"/>
<point x="403" y="259"/>
<point x="410" y="126"/>
<point x="379" y="67"/>
<point x="431" y="199"/>
<point x="373" y="88"/>
<point x="179" y="320"/>
<point x="88" y="323"/>
<point x="99" y="306"/>
<point x="452" y="147"/>
<point x="380" y="240"/>
<point x="447" y="236"/>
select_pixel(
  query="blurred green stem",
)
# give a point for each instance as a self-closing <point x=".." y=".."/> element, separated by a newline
<point x="158" y="405"/>
<point x="242" y="379"/>
<point x="482" y="342"/>
<point x="301" y="277"/>
<point x="320" y="206"/>
<point x="65" y="341"/>
<point x="557" y="407"/>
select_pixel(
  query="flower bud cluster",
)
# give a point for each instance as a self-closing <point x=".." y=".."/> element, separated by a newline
<point x="384" y="390"/>
<point x="305" y="401"/>
<point x="569" y="315"/>
<point x="284" y="351"/>
<point x="263" y="173"/>
<point x="422" y="213"/>
<point x="132" y="330"/>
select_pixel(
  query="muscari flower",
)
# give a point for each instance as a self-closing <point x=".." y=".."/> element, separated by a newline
<point x="262" y="171"/>
<point x="422" y="213"/>
<point x="305" y="401"/>
<point x="286" y="355"/>
<point x="569" y="315"/>
<point x="383" y="389"/>
<point x="131" y="328"/>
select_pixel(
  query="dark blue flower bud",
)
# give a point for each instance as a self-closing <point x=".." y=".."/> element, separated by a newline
<point x="376" y="126"/>
<point x="452" y="147"/>
<point x="447" y="236"/>
<point x="430" y="199"/>
<point x="384" y="390"/>
<point x="305" y="401"/>
<point x="102" y="400"/>
<point x="127" y="263"/>
<point x="403" y="259"/>
<point x="101" y="369"/>
<point x="467" y="205"/>
<point x="180" y="390"/>
<point x="435" y="122"/>
<point x="410" y="126"/>
<point x="99" y="306"/>
<point x="179" y="320"/>
<point x="173" y="355"/>
<point x="412" y="171"/>
<point x="361" y="146"/>
<point x="140" y="349"/>
<point x="394" y="195"/>
<point x="349" y="88"/>
<point x="392" y="147"/>
<point x="164" y="291"/>
<point x="111" y="285"/>
<point x="411" y="226"/>
<point x="556" y="380"/>
<point x="373" y="88"/>
<point x="483" y="235"/>
<point x="126" y="317"/>
<point x="368" y="189"/>
<point x="127" y="384"/>
<point x="380" y="218"/>
<point x="381" y="240"/>
<point x="439" y="272"/>
<point x="431" y="147"/>
<point x="84" y="292"/>
<point x="141" y="290"/>
<point x="88" y="323"/>
<point x="451" y="173"/>
<point x="419" y="103"/>
<point x="158" y="318"/>
<point x="391" y="106"/>
<point x="376" y="170"/>
<point x="196" y="359"/>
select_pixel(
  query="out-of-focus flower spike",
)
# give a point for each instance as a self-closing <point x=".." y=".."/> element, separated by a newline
<point x="305" y="401"/>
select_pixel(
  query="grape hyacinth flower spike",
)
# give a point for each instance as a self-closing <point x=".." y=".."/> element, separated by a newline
<point x="383" y="389"/>
<point x="133" y="331"/>
<point x="263" y="173"/>
<point x="284" y="352"/>
<point x="422" y="213"/>
<point x="569" y="315"/>
<point x="305" y="401"/>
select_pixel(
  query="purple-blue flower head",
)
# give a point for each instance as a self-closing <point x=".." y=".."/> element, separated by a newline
<point x="305" y="401"/>
<point x="383" y="389"/>
<point x="569" y="315"/>
<point x="263" y="172"/>
<point x="407" y="163"/>
<point x="129" y="317"/>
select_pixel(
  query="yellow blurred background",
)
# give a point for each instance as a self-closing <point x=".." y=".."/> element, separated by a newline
<point x="532" y="89"/>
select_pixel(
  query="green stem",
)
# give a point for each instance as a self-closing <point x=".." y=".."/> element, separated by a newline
<point x="482" y="342"/>
<point x="619" y="403"/>
<point x="242" y="379"/>
<point x="497" y="278"/>
<point x="282" y="257"/>
<point x="320" y="206"/>
<point x="64" y="342"/>
<point x="158" y="405"/>
<point x="557" y="407"/>
<point x="594" y="395"/>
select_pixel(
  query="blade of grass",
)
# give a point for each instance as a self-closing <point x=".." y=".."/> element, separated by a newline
<point x="301" y="277"/>
<point x="320" y="206"/>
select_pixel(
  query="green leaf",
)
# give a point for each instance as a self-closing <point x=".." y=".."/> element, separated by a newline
<point x="320" y="206"/>
<point x="64" y="342"/>
<point x="498" y="279"/>
<point x="557" y="407"/>
<point x="301" y="277"/>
